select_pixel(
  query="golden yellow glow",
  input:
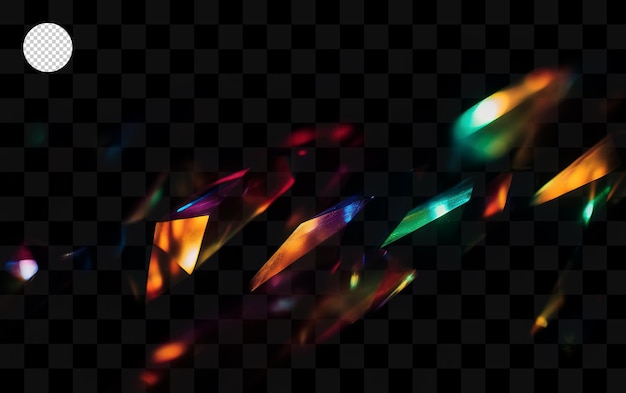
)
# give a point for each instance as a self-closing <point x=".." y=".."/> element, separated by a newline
<point x="541" y="321"/>
<point x="555" y="302"/>
<point x="176" y="246"/>
<point x="292" y="249"/>
<point x="181" y="240"/>
<point x="168" y="352"/>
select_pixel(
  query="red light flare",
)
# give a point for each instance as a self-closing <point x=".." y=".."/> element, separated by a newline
<point x="497" y="197"/>
<point x="335" y="267"/>
<point x="149" y="378"/>
<point x="300" y="138"/>
<point x="341" y="132"/>
<point x="335" y="181"/>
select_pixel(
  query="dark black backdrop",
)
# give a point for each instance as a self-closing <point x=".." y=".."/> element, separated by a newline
<point x="199" y="88"/>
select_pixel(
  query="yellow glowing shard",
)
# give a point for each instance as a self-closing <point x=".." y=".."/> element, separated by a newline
<point x="307" y="236"/>
<point x="354" y="280"/>
<point x="555" y="302"/>
<point x="597" y="162"/>
<point x="181" y="240"/>
<point x="176" y="246"/>
<point x="541" y="321"/>
<point x="168" y="352"/>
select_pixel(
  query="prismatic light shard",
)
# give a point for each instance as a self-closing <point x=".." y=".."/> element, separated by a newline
<point x="432" y="210"/>
<point x="489" y="129"/>
<point x="209" y="200"/>
<point x="597" y="162"/>
<point x="190" y="235"/>
<point x="176" y="246"/>
<point x="308" y="235"/>
<point x="178" y="237"/>
<point x="260" y="190"/>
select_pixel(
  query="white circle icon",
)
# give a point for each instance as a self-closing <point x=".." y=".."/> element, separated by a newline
<point x="47" y="47"/>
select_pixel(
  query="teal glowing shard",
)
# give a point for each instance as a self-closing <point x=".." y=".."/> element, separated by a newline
<point x="507" y="118"/>
<point x="589" y="207"/>
<point x="432" y="210"/>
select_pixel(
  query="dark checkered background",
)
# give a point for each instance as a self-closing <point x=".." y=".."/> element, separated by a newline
<point x="202" y="88"/>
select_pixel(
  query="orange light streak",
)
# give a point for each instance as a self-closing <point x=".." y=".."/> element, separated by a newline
<point x="548" y="312"/>
<point x="597" y="162"/>
<point x="169" y="352"/>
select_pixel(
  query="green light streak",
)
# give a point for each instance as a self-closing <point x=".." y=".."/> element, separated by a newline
<point x="432" y="210"/>
<point x="588" y="210"/>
